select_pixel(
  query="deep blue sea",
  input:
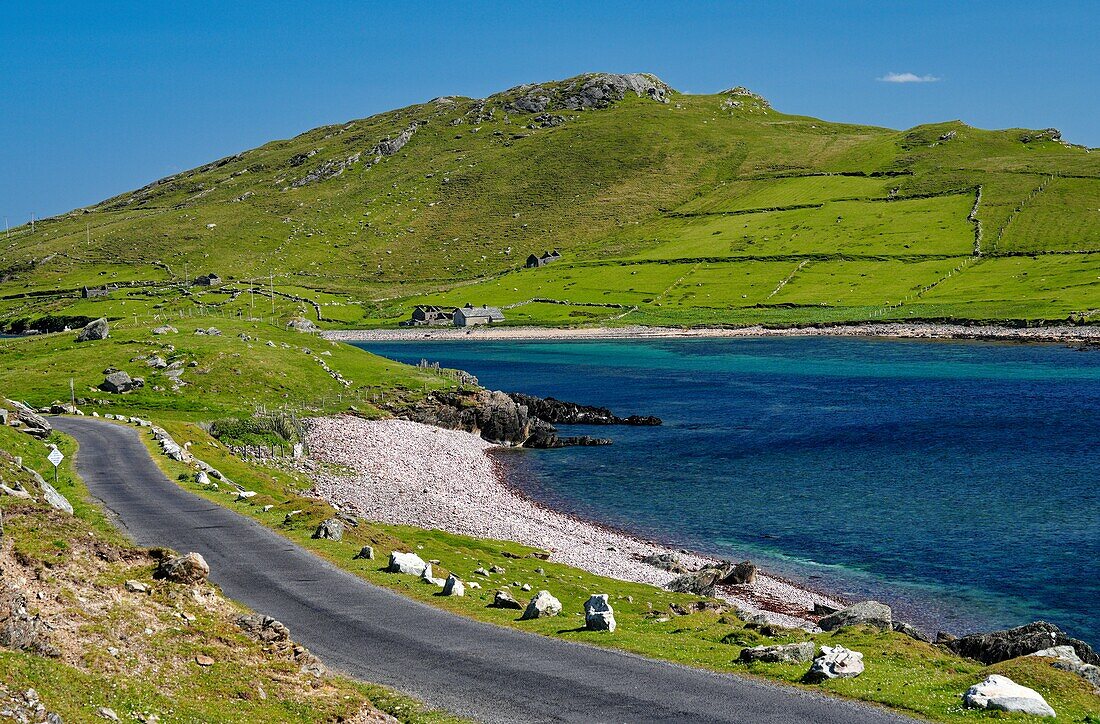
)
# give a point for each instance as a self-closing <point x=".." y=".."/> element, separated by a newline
<point x="957" y="481"/>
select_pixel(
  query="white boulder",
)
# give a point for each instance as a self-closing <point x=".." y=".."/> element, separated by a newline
<point x="542" y="605"/>
<point x="1001" y="693"/>
<point x="598" y="614"/>
<point x="409" y="563"/>
<point x="835" y="662"/>
<point x="453" y="586"/>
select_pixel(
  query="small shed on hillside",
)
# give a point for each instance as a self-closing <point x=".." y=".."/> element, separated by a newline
<point x="471" y="316"/>
<point x="91" y="292"/>
<point x="533" y="262"/>
<point x="431" y="314"/>
<point x="208" y="280"/>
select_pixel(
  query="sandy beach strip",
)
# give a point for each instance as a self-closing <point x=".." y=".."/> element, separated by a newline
<point x="408" y="473"/>
<point x="891" y="330"/>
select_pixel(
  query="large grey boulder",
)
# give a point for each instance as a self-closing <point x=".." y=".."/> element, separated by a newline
<point x="330" y="529"/>
<point x="996" y="646"/>
<point x="188" y="568"/>
<point x="98" y="329"/>
<point x="1001" y="693"/>
<point x="116" y="383"/>
<point x="1066" y="659"/>
<point x="782" y="654"/>
<point x="541" y="605"/>
<point x="27" y="416"/>
<point x="864" y="613"/>
<point x="408" y="563"/>
<point x="598" y="614"/>
<point x="53" y="498"/>
<point x="166" y="329"/>
<point x="835" y="662"/>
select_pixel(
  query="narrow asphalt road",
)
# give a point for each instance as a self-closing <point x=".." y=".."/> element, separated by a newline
<point x="477" y="670"/>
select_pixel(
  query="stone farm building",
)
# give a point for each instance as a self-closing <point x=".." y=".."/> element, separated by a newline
<point x="208" y="280"/>
<point x="470" y="316"/>
<point x="431" y="314"/>
<point x="90" y="292"/>
<point x="533" y="262"/>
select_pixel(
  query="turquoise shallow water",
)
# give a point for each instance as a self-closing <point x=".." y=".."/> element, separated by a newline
<point x="958" y="481"/>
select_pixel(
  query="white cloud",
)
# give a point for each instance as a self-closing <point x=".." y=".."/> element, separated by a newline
<point x="908" y="78"/>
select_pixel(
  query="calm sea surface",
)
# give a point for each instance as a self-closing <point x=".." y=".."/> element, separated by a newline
<point x="959" y="482"/>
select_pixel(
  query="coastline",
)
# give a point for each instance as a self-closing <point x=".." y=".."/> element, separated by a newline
<point x="884" y="330"/>
<point x="407" y="473"/>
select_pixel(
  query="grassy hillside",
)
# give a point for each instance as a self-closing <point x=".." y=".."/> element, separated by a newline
<point x="700" y="196"/>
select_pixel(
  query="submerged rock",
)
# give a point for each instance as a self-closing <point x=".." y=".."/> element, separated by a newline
<point x="1001" y="693"/>
<point x="559" y="412"/>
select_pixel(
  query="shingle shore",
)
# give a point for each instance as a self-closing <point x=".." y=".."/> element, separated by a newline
<point x="407" y="473"/>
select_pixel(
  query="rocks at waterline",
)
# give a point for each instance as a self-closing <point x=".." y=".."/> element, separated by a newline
<point x="996" y="646"/>
<point x="835" y="662"/>
<point x="366" y="553"/>
<point x="911" y="631"/>
<point x="188" y="568"/>
<point x="704" y="581"/>
<point x="598" y="614"/>
<point x="504" y="599"/>
<point x="408" y="563"/>
<point x="118" y="382"/>
<point x="1066" y="659"/>
<point x="330" y="529"/>
<point x="781" y="654"/>
<point x="864" y="613"/>
<point x="541" y="605"/>
<point x="666" y="562"/>
<point x="1000" y="693"/>
<point x="492" y="415"/>
<point x="560" y="412"/>
<point x="453" y="586"/>
<point x="94" y="330"/>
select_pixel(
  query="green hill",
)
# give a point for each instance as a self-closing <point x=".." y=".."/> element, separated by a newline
<point x="667" y="208"/>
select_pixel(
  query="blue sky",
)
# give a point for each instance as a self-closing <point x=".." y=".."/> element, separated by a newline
<point x="99" y="98"/>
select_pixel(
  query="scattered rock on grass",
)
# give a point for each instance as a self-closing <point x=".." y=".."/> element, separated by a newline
<point x="504" y="599"/>
<point x="785" y="653"/>
<point x="996" y="646"/>
<point x="453" y="586"/>
<point x="542" y="605"/>
<point x="409" y="563"/>
<point x="598" y="614"/>
<point x="188" y="568"/>
<point x="365" y="553"/>
<point x="1001" y="693"/>
<point x="95" y="330"/>
<point x="330" y="529"/>
<point x="835" y="662"/>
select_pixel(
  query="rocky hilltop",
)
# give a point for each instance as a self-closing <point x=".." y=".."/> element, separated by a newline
<point x="591" y="90"/>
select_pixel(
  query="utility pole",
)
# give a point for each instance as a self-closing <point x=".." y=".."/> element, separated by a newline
<point x="7" y="229"/>
<point x="72" y="392"/>
<point x="271" y="279"/>
<point x="32" y="223"/>
<point x="251" y="301"/>
<point x="87" y="232"/>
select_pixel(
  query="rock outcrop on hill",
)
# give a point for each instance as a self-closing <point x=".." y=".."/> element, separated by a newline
<point x="593" y="90"/>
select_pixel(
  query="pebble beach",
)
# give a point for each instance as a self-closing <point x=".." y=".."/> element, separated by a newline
<point x="407" y="473"/>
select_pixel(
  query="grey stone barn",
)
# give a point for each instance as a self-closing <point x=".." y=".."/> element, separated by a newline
<point x="90" y="292"/>
<point x="208" y="280"/>
<point x="471" y="316"/>
<point x="431" y="314"/>
<point x="533" y="262"/>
